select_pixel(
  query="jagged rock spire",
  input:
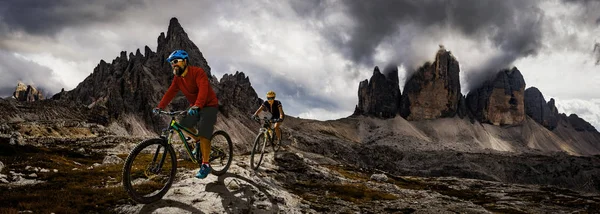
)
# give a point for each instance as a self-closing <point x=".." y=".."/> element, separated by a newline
<point x="434" y="90"/>
<point x="538" y="109"/>
<point x="379" y="96"/>
<point x="177" y="39"/>
<point x="500" y="101"/>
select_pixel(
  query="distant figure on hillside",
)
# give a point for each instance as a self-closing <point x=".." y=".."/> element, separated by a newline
<point x="274" y="107"/>
<point x="193" y="82"/>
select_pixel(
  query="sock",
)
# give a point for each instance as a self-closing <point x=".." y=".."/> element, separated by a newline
<point x="207" y="163"/>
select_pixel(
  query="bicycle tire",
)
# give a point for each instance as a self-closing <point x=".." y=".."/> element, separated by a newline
<point x="229" y="152"/>
<point x="259" y="143"/>
<point x="127" y="171"/>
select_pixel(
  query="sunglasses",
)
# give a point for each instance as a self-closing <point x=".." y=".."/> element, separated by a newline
<point x="175" y="61"/>
<point x="270" y="98"/>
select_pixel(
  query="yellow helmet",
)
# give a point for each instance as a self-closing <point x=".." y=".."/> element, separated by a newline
<point x="271" y="94"/>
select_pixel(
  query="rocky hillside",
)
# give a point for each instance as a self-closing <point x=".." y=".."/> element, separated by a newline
<point x="293" y="181"/>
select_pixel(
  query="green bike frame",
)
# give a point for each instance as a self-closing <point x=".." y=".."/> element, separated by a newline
<point x="175" y="126"/>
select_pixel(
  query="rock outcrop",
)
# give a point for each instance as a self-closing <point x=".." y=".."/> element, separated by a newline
<point x="553" y="111"/>
<point x="536" y="107"/>
<point x="434" y="90"/>
<point x="578" y="123"/>
<point x="235" y="91"/>
<point x="27" y="93"/>
<point x="499" y="101"/>
<point x="379" y="96"/>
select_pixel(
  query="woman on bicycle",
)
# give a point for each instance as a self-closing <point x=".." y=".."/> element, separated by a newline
<point x="276" y="109"/>
<point x="193" y="82"/>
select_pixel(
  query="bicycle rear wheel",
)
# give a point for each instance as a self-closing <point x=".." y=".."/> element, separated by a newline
<point x="149" y="170"/>
<point x="221" y="153"/>
<point x="259" y="147"/>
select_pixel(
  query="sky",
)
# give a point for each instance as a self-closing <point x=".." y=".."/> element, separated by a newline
<point x="314" y="53"/>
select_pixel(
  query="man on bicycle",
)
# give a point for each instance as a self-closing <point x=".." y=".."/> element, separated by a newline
<point x="275" y="108"/>
<point x="193" y="82"/>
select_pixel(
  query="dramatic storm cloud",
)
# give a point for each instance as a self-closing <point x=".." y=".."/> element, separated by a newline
<point x="49" y="17"/>
<point x="513" y="27"/>
<point x="314" y="53"/>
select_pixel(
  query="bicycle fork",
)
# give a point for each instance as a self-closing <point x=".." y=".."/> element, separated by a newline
<point x="156" y="168"/>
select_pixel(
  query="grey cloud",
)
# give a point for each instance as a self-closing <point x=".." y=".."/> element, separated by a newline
<point x="597" y="53"/>
<point x="309" y="7"/>
<point x="46" y="18"/>
<point x="6" y="91"/>
<point x="14" y="69"/>
<point x="588" y="12"/>
<point x="390" y="68"/>
<point x="512" y="25"/>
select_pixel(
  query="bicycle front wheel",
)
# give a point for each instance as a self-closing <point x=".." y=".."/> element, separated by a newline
<point x="221" y="152"/>
<point x="276" y="144"/>
<point x="258" y="151"/>
<point x="149" y="170"/>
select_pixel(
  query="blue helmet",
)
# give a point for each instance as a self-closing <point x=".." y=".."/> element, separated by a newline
<point x="178" y="54"/>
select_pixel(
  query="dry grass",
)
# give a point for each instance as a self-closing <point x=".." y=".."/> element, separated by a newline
<point x="68" y="190"/>
<point x="348" y="172"/>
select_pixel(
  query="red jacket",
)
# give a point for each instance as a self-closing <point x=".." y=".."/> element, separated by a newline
<point x="196" y="88"/>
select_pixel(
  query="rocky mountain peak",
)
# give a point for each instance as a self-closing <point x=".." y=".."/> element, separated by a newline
<point x="501" y="100"/>
<point x="379" y="96"/>
<point x="552" y="106"/>
<point x="27" y="93"/>
<point x="540" y="111"/>
<point x="235" y="90"/>
<point x="176" y="39"/>
<point x="21" y="86"/>
<point x="434" y="90"/>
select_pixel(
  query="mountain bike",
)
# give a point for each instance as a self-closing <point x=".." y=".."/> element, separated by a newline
<point x="150" y="168"/>
<point x="266" y="134"/>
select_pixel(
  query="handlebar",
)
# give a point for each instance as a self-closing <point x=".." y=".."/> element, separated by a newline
<point x="265" y="119"/>
<point x="172" y="113"/>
